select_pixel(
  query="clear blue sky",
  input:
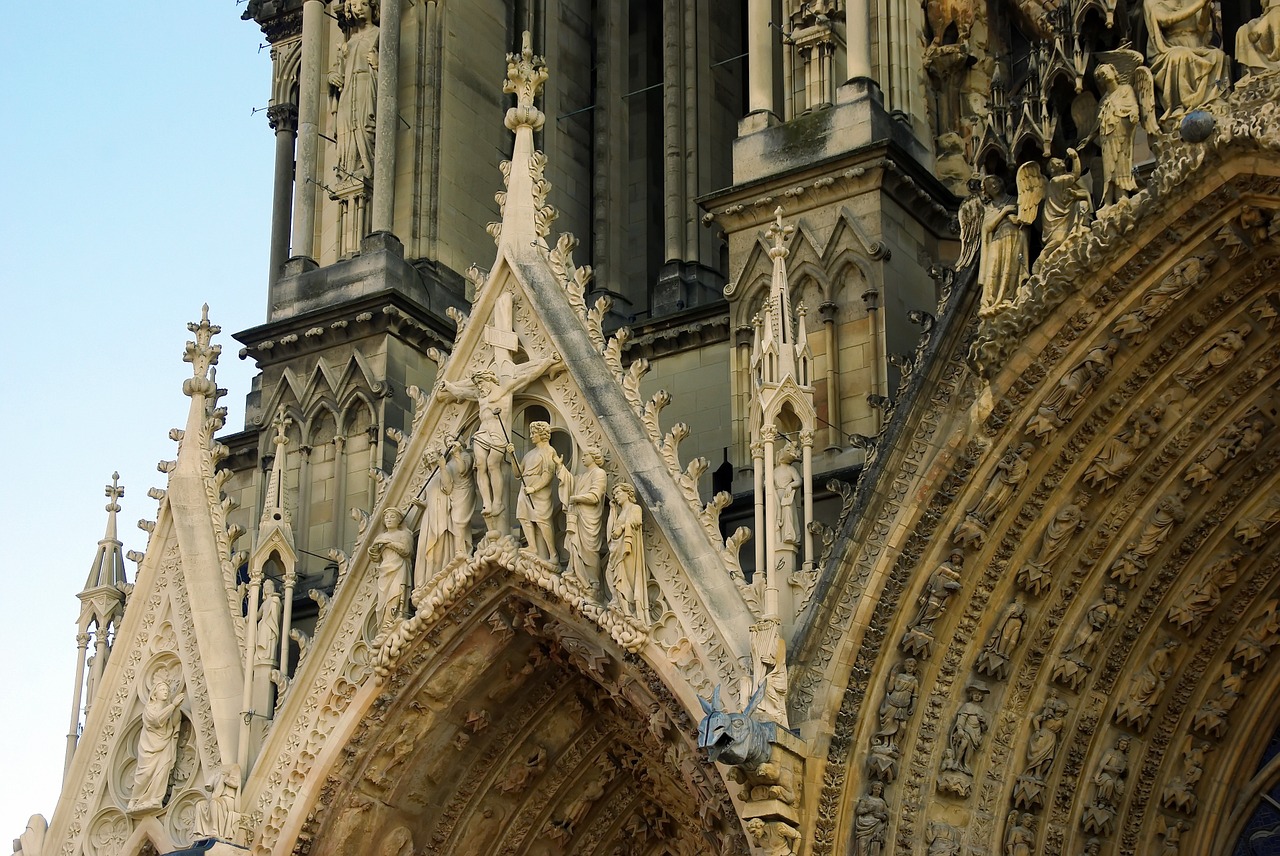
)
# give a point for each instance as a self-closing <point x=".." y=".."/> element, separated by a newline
<point x="138" y="186"/>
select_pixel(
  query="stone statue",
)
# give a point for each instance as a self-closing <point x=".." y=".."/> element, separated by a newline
<point x="435" y="537"/>
<point x="1046" y="730"/>
<point x="626" y="572"/>
<point x="996" y="654"/>
<point x="1068" y="520"/>
<point x="1042" y="748"/>
<point x="391" y="551"/>
<point x="1005" y="258"/>
<point x="1202" y="594"/>
<point x="1217" y="354"/>
<point x="898" y="705"/>
<point x="1119" y="452"/>
<point x="969" y="219"/>
<point x="932" y="603"/>
<point x="1254" y="645"/>
<point x="534" y="505"/>
<point x="523" y="771"/>
<point x="267" y="640"/>
<point x="1172" y="835"/>
<point x="1061" y="403"/>
<point x="1187" y="275"/>
<point x="769" y="670"/>
<point x="1187" y="68"/>
<point x="354" y="81"/>
<point x="870" y="823"/>
<point x="1010" y="473"/>
<point x="1128" y="100"/>
<point x="1180" y="793"/>
<point x="1068" y="207"/>
<point x="157" y="748"/>
<point x="1072" y="666"/>
<point x="1211" y="719"/>
<point x="1019" y="840"/>
<point x="1238" y="439"/>
<point x="1147" y="686"/>
<point x="583" y="496"/>
<point x="943" y="839"/>
<point x="1258" y="41"/>
<point x="787" y="484"/>
<point x="491" y="389"/>
<point x="1168" y="513"/>
<point x="1109" y="784"/>
<point x="967" y="731"/>
<point x="216" y="817"/>
<point x="456" y="481"/>
<point x="774" y="838"/>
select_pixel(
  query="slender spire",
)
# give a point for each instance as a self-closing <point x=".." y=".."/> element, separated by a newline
<point x="108" y="564"/>
<point x="526" y="218"/>
<point x="273" y="505"/>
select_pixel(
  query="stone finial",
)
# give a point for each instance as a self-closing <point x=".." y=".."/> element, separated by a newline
<point x="202" y="355"/>
<point x="525" y="75"/>
<point x="779" y="233"/>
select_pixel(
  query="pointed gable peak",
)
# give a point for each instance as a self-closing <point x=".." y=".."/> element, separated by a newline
<point x="526" y="218"/>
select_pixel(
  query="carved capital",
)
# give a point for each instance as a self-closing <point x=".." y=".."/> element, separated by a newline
<point x="283" y="117"/>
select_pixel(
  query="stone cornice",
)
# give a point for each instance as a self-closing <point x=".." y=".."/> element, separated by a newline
<point x="881" y="167"/>
<point x="705" y="325"/>
<point x="384" y="313"/>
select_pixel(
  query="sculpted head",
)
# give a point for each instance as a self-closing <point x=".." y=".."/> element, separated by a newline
<point x="592" y="457"/>
<point x="539" y="432"/>
<point x="623" y="492"/>
<point x="1106" y="76"/>
<point x="392" y="518"/>
<point x="993" y="187"/>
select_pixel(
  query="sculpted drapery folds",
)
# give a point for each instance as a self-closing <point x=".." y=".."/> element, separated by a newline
<point x="787" y="483"/>
<point x="1068" y="206"/>
<point x="391" y="551"/>
<point x="157" y="747"/>
<point x="583" y="495"/>
<point x="534" y="504"/>
<point x="1258" y="41"/>
<point x="1188" y="70"/>
<point x="1119" y="452"/>
<point x="1126" y="103"/>
<point x="435" y="535"/>
<point x="1004" y="262"/>
<point x="354" y="81"/>
<point x="456" y="482"/>
<point x="267" y="641"/>
<point x="626" y="572"/>
<point x="492" y="390"/>
<point x="871" y="822"/>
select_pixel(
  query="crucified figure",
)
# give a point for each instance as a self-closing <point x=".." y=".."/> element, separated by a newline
<point x="492" y="390"/>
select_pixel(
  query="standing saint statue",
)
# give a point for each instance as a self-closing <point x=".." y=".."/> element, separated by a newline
<point x="435" y="536"/>
<point x="491" y="389"/>
<point x="787" y="483"/>
<point x="626" y="570"/>
<point x="871" y="822"/>
<point x="534" y="505"/>
<point x="583" y="495"/>
<point x="157" y="748"/>
<point x="1003" y="264"/>
<point x="456" y="481"/>
<point x="1067" y="204"/>
<point x="267" y="640"/>
<point x="391" y="552"/>
<point x="354" y="82"/>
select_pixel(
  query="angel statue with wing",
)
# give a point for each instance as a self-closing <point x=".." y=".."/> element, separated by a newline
<point x="1067" y="205"/>
<point x="1128" y="99"/>
<point x="1003" y="264"/>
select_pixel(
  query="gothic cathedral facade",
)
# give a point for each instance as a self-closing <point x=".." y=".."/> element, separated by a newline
<point x="851" y="428"/>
